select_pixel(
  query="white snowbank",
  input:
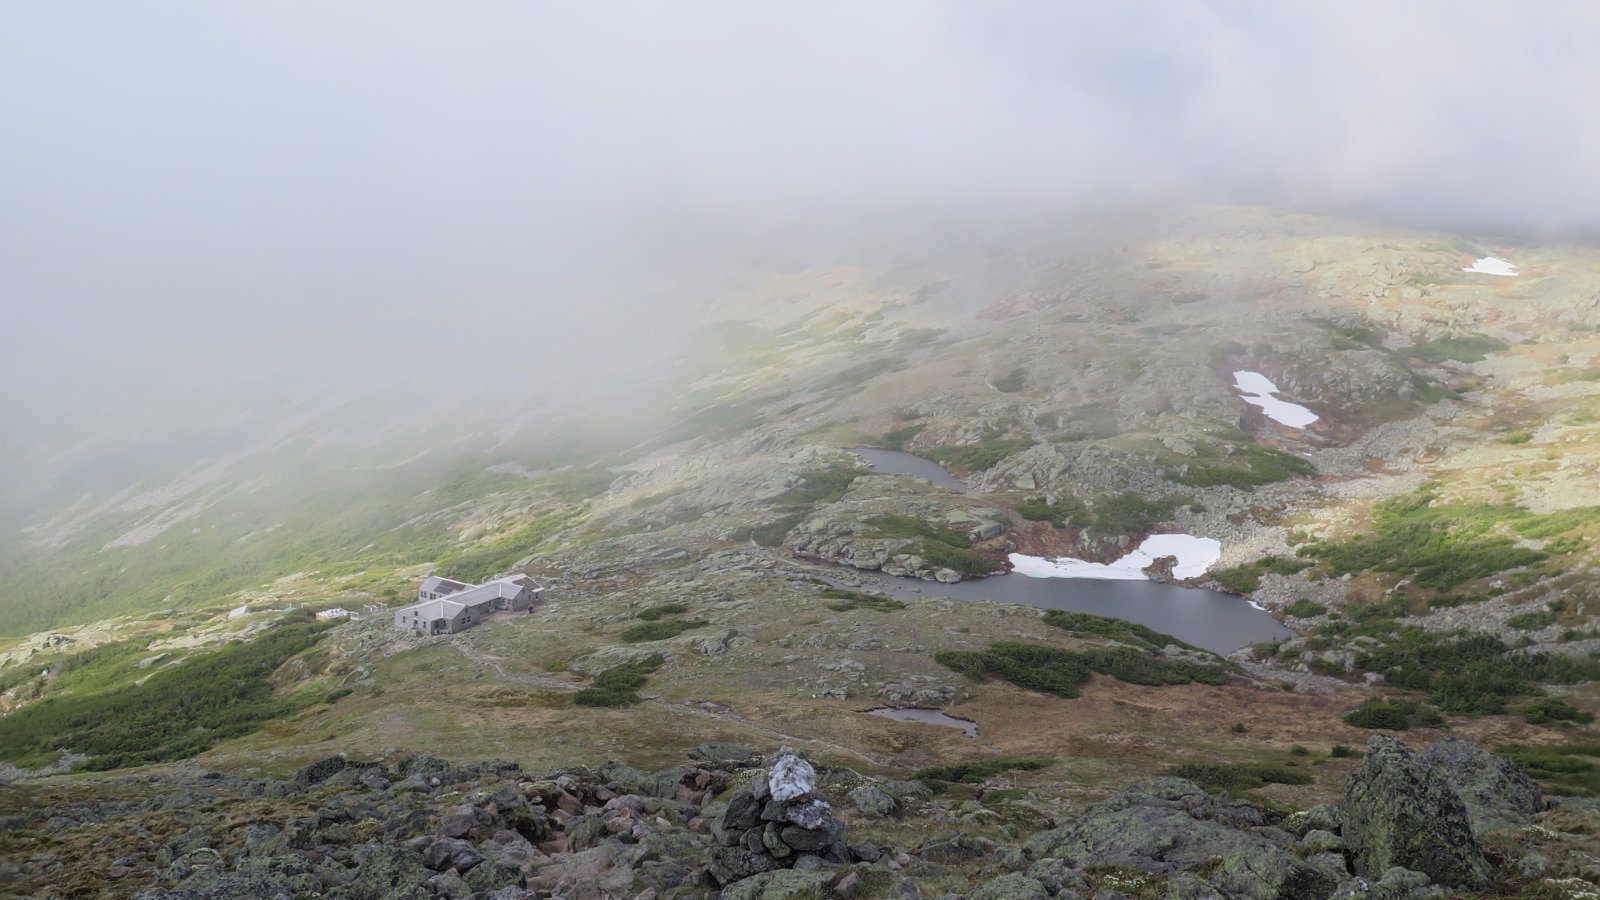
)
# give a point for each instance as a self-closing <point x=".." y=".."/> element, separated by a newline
<point x="1492" y="265"/>
<point x="1195" y="555"/>
<point x="1257" y="390"/>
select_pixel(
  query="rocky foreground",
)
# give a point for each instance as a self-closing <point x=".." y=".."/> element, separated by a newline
<point x="738" y="826"/>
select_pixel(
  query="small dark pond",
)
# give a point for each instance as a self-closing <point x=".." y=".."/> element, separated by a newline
<point x="896" y="462"/>
<point x="926" y="717"/>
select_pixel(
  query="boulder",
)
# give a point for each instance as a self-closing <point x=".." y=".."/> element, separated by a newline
<point x="782" y="884"/>
<point x="872" y="802"/>
<point x="1264" y="873"/>
<point x="1496" y="793"/>
<point x="1012" y="886"/>
<point x="1398" y="810"/>
<point x="387" y="873"/>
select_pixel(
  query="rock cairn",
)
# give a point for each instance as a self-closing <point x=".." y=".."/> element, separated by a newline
<point x="779" y="824"/>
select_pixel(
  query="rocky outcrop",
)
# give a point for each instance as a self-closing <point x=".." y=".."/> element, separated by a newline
<point x="1398" y="810"/>
<point x="425" y="828"/>
<point x="1495" y="792"/>
<point x="1169" y="826"/>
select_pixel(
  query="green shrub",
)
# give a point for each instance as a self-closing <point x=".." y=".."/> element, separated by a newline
<point x="619" y="685"/>
<point x="660" y="631"/>
<point x="941" y="554"/>
<point x="1011" y="382"/>
<point x="1376" y="714"/>
<point x="1243" y="464"/>
<point x="1238" y="579"/>
<point x="773" y="533"/>
<point x="1238" y="776"/>
<point x="1549" y="709"/>
<point x="975" y="773"/>
<point x="1304" y="608"/>
<point x="895" y="526"/>
<point x="1051" y="671"/>
<point x="1238" y="728"/>
<point x="1474" y="348"/>
<point x="979" y="457"/>
<point x="1469" y="674"/>
<point x="857" y="600"/>
<point x="895" y="439"/>
<point x="1532" y="621"/>
<point x="1116" y="629"/>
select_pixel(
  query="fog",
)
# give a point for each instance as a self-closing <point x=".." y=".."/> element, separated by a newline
<point x="245" y="205"/>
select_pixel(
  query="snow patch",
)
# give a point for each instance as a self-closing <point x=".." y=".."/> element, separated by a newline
<point x="1257" y="390"/>
<point x="1195" y="555"/>
<point x="1492" y="265"/>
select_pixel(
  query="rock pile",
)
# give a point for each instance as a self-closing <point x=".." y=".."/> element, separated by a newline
<point x="779" y="824"/>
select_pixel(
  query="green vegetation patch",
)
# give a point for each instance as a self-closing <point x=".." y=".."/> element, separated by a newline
<point x="660" y="631"/>
<point x="1549" y="709"/>
<point x="1236" y="777"/>
<point x="1567" y="770"/>
<point x="1304" y="608"/>
<point x="662" y="610"/>
<point x="1048" y="670"/>
<point x="821" y="486"/>
<point x="1470" y="674"/>
<point x="895" y="526"/>
<point x="1126" y="511"/>
<point x="857" y="600"/>
<point x="1443" y="545"/>
<point x="178" y="713"/>
<point x="1246" y="578"/>
<point x="1376" y="714"/>
<point x="1011" y="382"/>
<point x="965" y="561"/>
<point x="1116" y="629"/>
<point x="1241" y="464"/>
<point x="979" y="457"/>
<point x="895" y="438"/>
<point x="977" y="772"/>
<point x="1531" y="621"/>
<point x="1469" y="349"/>
<point x="619" y="686"/>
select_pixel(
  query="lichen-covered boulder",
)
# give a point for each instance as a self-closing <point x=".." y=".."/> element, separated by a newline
<point x="1266" y="873"/>
<point x="1012" y="886"/>
<point x="1496" y="793"/>
<point x="1173" y="827"/>
<point x="782" y="884"/>
<point x="1398" y="810"/>
<point x="387" y="872"/>
<point x="870" y="801"/>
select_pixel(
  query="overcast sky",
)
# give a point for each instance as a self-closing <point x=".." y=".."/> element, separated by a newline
<point x="204" y="197"/>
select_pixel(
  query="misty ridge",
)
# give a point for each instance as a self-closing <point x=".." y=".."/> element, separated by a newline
<point x="233" y="234"/>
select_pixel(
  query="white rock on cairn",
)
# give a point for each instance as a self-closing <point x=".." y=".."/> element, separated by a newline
<point x="792" y="776"/>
